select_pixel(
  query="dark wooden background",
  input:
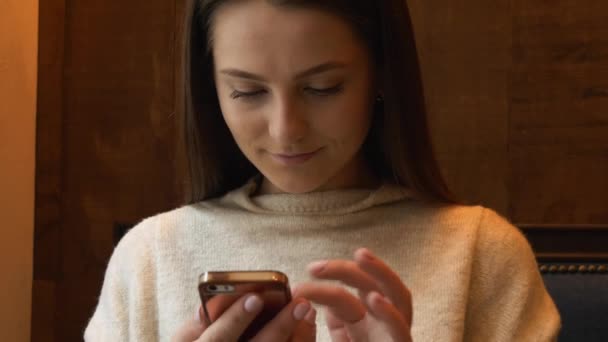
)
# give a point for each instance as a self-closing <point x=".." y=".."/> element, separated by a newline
<point x="517" y="89"/>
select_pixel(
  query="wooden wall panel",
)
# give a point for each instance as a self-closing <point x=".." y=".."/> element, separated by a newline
<point x="49" y="165"/>
<point x="109" y="141"/>
<point x="559" y="117"/>
<point x="465" y="52"/>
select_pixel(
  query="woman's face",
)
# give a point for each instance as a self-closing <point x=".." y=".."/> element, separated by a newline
<point x="296" y="90"/>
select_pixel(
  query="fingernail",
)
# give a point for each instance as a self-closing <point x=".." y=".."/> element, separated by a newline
<point x="311" y="316"/>
<point x="317" y="266"/>
<point x="367" y="254"/>
<point x="253" y="303"/>
<point x="375" y="297"/>
<point x="300" y="311"/>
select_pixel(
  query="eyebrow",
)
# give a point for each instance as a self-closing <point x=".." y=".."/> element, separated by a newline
<point x="308" y="72"/>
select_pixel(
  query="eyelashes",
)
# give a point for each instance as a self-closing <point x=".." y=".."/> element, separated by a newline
<point x="236" y="94"/>
<point x="325" y="91"/>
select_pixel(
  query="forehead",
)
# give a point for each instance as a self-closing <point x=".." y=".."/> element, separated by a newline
<point x="257" y="32"/>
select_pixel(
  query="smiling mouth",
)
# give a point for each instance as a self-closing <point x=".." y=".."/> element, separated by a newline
<point x="294" y="159"/>
<point x="294" y="155"/>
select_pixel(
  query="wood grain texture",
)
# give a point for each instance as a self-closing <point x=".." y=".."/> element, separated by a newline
<point x="49" y="211"/>
<point x="465" y="52"/>
<point x="559" y="118"/>
<point x="109" y="140"/>
<point x="568" y="242"/>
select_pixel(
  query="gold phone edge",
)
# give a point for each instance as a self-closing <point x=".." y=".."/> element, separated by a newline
<point x="242" y="276"/>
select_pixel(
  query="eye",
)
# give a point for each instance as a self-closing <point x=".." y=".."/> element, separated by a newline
<point x="325" y="91"/>
<point x="246" y="94"/>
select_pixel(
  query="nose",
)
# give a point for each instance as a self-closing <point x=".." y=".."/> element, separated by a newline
<point x="287" y="123"/>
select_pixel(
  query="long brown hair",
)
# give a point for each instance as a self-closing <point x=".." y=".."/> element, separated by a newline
<point x="398" y="148"/>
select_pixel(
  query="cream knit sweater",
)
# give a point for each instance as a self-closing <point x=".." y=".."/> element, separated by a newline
<point x="472" y="275"/>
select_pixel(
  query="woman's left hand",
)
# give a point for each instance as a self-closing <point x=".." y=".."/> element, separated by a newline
<point x="382" y="309"/>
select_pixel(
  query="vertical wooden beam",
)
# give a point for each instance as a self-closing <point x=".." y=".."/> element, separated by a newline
<point x="49" y="162"/>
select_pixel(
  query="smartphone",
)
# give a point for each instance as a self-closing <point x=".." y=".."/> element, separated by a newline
<point x="219" y="290"/>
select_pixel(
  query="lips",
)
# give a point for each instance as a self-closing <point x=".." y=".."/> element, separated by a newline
<point x="296" y="155"/>
<point x="293" y="158"/>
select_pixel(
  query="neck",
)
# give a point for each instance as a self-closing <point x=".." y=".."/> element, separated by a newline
<point x="357" y="175"/>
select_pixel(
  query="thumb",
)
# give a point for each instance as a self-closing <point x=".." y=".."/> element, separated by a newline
<point x="191" y="330"/>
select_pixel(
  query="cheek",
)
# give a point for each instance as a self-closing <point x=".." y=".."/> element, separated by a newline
<point x="349" y="122"/>
<point x="245" y="126"/>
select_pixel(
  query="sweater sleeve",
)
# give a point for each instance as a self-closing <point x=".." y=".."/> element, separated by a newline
<point x="126" y="310"/>
<point x="507" y="300"/>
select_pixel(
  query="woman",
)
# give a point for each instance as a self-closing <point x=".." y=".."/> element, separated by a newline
<point x="307" y="139"/>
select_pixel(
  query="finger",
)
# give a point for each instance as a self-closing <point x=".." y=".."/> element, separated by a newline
<point x="336" y="328"/>
<point x="397" y="325"/>
<point x="306" y="330"/>
<point x="294" y="289"/>
<point x="284" y="324"/>
<point x="233" y="322"/>
<point x="388" y="281"/>
<point x="214" y="307"/>
<point x="348" y="272"/>
<point x="340" y="302"/>
<point x="341" y="331"/>
<point x="191" y="330"/>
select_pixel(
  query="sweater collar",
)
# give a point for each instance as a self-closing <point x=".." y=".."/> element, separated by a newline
<point x="333" y="202"/>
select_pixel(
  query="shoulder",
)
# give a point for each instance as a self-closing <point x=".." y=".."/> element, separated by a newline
<point x="486" y="223"/>
<point x="493" y="232"/>
<point x="180" y="225"/>
<point x="489" y="232"/>
<point x="447" y="219"/>
<point x="501" y="248"/>
<point x="497" y="233"/>
<point x="145" y="234"/>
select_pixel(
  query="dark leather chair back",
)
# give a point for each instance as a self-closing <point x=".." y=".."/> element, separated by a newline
<point x="580" y="291"/>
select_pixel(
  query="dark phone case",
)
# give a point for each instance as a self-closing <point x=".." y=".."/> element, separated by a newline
<point x="275" y="294"/>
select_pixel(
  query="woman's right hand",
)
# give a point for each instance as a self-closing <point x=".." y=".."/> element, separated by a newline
<point x="295" y="323"/>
